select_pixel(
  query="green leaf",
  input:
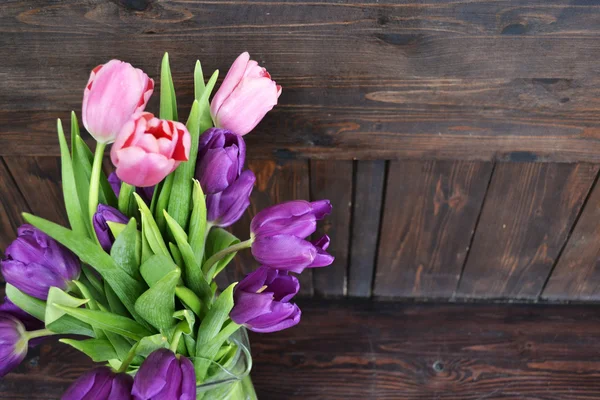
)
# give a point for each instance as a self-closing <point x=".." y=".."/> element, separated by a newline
<point x="207" y="343"/>
<point x="205" y="118"/>
<point x="56" y="297"/>
<point x="29" y="304"/>
<point x="126" y="288"/>
<point x="120" y="344"/>
<point x="151" y="343"/>
<point x="162" y="203"/>
<point x="126" y="201"/>
<point x="90" y="275"/>
<point x="109" y="322"/>
<point x="157" y="304"/>
<point x="91" y="289"/>
<point x="146" y="250"/>
<point x="114" y="303"/>
<point x="188" y="317"/>
<point x="219" y="239"/>
<point x="181" y="192"/>
<point x="190" y="344"/>
<point x="116" y="228"/>
<point x="176" y="254"/>
<point x="189" y="299"/>
<point x="198" y="225"/>
<point x="151" y="231"/>
<point x="155" y="268"/>
<point x="98" y="350"/>
<point x="168" y="101"/>
<point x="77" y="219"/>
<point x="192" y="276"/>
<point x="198" y="80"/>
<point x="127" y="250"/>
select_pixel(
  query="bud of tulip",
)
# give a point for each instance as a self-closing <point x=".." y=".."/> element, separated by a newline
<point x="221" y="156"/>
<point x="148" y="149"/>
<point x="165" y="376"/>
<point x="245" y="96"/>
<point x="278" y="234"/>
<point x="145" y="193"/>
<point x="13" y="343"/>
<point x="100" y="384"/>
<point x="35" y="262"/>
<point x="262" y="301"/>
<point x="104" y="215"/>
<point x="115" y="91"/>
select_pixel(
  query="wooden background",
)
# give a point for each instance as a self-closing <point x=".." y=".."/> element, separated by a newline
<point x="458" y="140"/>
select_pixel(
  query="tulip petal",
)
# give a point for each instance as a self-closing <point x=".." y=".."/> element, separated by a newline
<point x="139" y="168"/>
<point x="234" y="75"/>
<point x="284" y="252"/>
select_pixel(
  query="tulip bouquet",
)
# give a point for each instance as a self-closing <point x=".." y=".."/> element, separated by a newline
<point x="131" y="283"/>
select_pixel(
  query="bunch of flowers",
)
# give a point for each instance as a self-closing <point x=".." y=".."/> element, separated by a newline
<point x="134" y="276"/>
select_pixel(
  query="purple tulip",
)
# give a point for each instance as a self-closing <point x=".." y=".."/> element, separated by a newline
<point x="31" y="323"/>
<point x="262" y="301"/>
<point x="35" y="262"/>
<point x="104" y="215"/>
<point x="227" y="207"/>
<point x="145" y="193"/>
<point x="13" y="343"/>
<point x="165" y="376"/>
<point x="100" y="384"/>
<point x="279" y="234"/>
<point x="221" y="156"/>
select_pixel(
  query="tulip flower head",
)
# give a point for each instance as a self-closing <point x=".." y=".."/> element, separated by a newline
<point x="262" y="301"/>
<point x="104" y="215"/>
<point x="165" y="376"/>
<point x="31" y="323"/>
<point x="114" y="92"/>
<point x="245" y="96"/>
<point x="279" y="234"/>
<point x="148" y="149"/>
<point x="221" y="156"/>
<point x="13" y="343"/>
<point x="100" y="384"/>
<point x="35" y="262"/>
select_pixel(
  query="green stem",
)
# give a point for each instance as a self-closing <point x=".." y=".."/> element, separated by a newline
<point x="125" y="197"/>
<point x="129" y="358"/>
<point x="207" y="267"/>
<point x="229" y="329"/>
<point x="39" y="333"/>
<point x="95" y="181"/>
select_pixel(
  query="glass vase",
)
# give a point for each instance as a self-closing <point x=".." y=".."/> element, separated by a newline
<point x="232" y="381"/>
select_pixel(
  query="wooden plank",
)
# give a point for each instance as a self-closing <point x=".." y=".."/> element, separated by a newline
<point x="366" y="215"/>
<point x="275" y="183"/>
<point x="431" y="209"/>
<point x="529" y="210"/>
<point x="39" y="180"/>
<point x="333" y="180"/>
<point x="477" y="80"/>
<point x="364" y="350"/>
<point x="577" y="272"/>
<point x="12" y="204"/>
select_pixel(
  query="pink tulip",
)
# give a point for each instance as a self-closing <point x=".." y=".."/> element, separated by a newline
<point x="115" y="91"/>
<point x="246" y="95"/>
<point x="148" y="149"/>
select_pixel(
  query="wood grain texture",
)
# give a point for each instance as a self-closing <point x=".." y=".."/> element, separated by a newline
<point x="431" y="209"/>
<point x="365" y="350"/>
<point x="39" y="180"/>
<point x="529" y="210"/>
<point x="477" y="80"/>
<point x="12" y="204"/>
<point x="369" y="183"/>
<point x="577" y="272"/>
<point x="333" y="180"/>
<point x="275" y="183"/>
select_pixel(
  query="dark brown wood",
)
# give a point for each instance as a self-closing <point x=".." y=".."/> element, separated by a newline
<point x="38" y="179"/>
<point x="365" y="350"/>
<point x="12" y="204"/>
<point x="333" y="180"/>
<point x="366" y="214"/>
<point x="429" y="218"/>
<point x="477" y="80"/>
<point x="275" y="183"/>
<point x="528" y="212"/>
<point x="577" y="272"/>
